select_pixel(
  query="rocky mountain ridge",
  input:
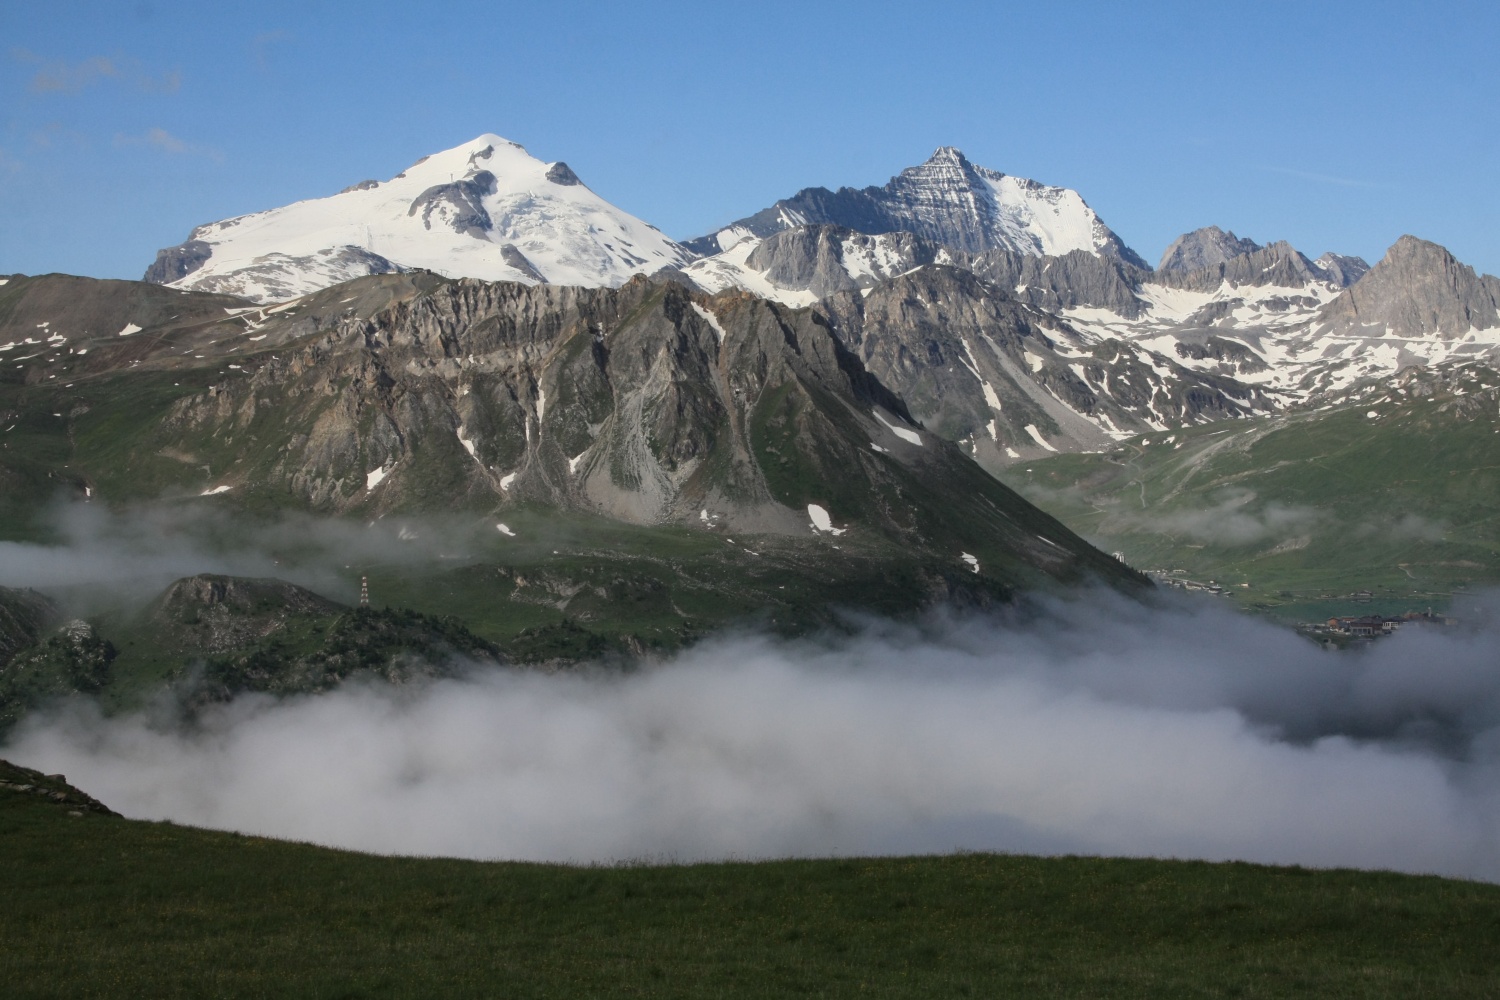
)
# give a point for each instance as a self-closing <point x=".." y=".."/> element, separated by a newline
<point x="651" y="404"/>
<point x="949" y="201"/>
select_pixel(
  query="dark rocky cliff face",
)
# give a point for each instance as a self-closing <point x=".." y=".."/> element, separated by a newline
<point x="178" y="262"/>
<point x="24" y="616"/>
<point x="648" y="404"/>
<point x="1056" y="283"/>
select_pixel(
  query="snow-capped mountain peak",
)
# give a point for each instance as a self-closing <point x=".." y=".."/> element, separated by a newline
<point x="947" y="200"/>
<point x="484" y="209"/>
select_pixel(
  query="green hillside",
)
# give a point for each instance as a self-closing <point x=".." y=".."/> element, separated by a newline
<point x="98" y="906"/>
<point x="1309" y="507"/>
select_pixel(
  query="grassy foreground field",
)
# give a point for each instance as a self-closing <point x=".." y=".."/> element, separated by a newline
<point x="96" y="906"/>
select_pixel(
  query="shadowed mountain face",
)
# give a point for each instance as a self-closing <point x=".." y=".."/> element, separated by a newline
<point x="24" y="616"/>
<point x="647" y="404"/>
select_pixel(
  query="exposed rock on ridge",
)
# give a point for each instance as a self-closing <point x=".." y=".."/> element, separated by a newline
<point x="1418" y="289"/>
<point x="1203" y="248"/>
<point x="646" y="404"/>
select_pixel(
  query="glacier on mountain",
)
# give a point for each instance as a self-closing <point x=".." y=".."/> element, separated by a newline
<point x="486" y="209"/>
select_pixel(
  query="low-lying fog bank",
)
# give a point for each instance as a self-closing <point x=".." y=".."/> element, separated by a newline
<point x="1095" y="727"/>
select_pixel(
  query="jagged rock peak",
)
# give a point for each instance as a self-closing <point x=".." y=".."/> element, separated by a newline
<point x="1343" y="270"/>
<point x="561" y="173"/>
<point x="1418" y="289"/>
<point x="950" y="201"/>
<point x="1204" y="247"/>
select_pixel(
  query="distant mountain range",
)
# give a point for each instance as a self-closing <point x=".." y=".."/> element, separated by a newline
<point x="814" y="408"/>
<point x="946" y="200"/>
<point x="1102" y="346"/>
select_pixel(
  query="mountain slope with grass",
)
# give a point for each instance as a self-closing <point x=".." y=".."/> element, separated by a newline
<point x="573" y="472"/>
<point x="648" y="405"/>
<point x="1389" y="490"/>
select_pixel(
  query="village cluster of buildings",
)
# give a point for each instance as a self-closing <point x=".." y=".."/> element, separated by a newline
<point x="1368" y="626"/>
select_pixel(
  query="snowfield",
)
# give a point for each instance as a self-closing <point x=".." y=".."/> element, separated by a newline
<point x="486" y="209"/>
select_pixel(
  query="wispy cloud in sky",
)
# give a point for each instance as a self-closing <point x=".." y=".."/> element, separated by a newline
<point x="160" y="138"/>
<point x="261" y="44"/>
<point x="1307" y="175"/>
<point x="59" y="76"/>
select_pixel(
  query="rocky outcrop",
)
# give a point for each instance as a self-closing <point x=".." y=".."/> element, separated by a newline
<point x="214" y="613"/>
<point x="1212" y="251"/>
<point x="389" y="644"/>
<point x="1204" y="248"/>
<point x="51" y="788"/>
<point x="829" y="259"/>
<point x="1342" y="270"/>
<point x="1279" y="264"/>
<point x="1418" y="289"/>
<point x="25" y="616"/>
<point x="458" y="205"/>
<point x="1057" y="283"/>
<point x="177" y="262"/>
<point x="75" y="659"/>
<point x="561" y="173"/>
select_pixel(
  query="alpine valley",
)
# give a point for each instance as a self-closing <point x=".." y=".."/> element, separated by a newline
<point x="546" y="432"/>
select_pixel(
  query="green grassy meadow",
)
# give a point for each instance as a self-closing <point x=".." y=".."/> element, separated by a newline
<point x="97" y="906"/>
<point x="1306" y="508"/>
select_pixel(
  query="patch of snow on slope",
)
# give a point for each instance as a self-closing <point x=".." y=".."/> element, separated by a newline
<point x="973" y="561"/>
<point x="129" y="329"/>
<point x="901" y="432"/>
<point x="1036" y="436"/>
<point x="505" y="530"/>
<point x="731" y="235"/>
<point x="821" y="520"/>
<point x="731" y="270"/>
<point x="468" y="445"/>
<point x="990" y="396"/>
<point x="374" y="477"/>
<point x="215" y="491"/>
<point x="710" y="319"/>
<point x="1045" y="220"/>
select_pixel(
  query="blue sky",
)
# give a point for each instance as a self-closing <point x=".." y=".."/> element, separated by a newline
<point x="1335" y="126"/>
